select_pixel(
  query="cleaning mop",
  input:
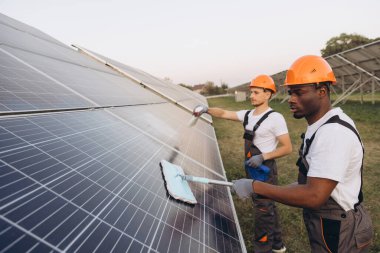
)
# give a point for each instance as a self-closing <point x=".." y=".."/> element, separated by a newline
<point x="177" y="182"/>
<point x="194" y="119"/>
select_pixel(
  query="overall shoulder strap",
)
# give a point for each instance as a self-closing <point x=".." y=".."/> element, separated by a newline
<point x="249" y="135"/>
<point x="245" y="122"/>
<point x="333" y="119"/>
<point x="261" y="120"/>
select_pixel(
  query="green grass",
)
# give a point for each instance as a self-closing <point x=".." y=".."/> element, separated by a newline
<point x="229" y="134"/>
<point x="354" y="97"/>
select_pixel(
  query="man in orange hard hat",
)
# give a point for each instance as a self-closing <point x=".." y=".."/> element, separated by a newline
<point x="330" y="165"/>
<point x="264" y="129"/>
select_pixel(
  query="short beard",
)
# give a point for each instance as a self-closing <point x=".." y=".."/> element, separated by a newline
<point x="258" y="104"/>
<point x="298" y="116"/>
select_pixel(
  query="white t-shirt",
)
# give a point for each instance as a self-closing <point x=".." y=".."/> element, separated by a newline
<point x="272" y="127"/>
<point x="336" y="153"/>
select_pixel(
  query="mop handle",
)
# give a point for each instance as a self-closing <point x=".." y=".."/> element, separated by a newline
<point x="192" y="121"/>
<point x="204" y="180"/>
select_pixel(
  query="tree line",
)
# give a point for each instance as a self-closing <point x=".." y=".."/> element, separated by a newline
<point x="333" y="46"/>
<point x="210" y="88"/>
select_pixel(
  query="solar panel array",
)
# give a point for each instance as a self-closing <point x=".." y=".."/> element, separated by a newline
<point x="80" y="146"/>
<point x="356" y="70"/>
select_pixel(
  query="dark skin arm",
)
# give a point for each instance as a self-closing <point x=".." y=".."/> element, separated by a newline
<point x="311" y="195"/>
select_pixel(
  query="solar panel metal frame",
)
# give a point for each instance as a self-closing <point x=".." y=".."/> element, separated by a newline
<point x="146" y="84"/>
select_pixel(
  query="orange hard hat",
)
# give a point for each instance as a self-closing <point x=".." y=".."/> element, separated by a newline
<point x="263" y="81"/>
<point x="309" y="69"/>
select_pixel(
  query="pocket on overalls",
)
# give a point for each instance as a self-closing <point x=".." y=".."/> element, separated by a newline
<point x="363" y="238"/>
<point x="364" y="234"/>
<point x="330" y="233"/>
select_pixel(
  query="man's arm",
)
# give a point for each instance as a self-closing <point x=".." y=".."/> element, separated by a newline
<point x="313" y="194"/>
<point x="215" y="112"/>
<point x="284" y="148"/>
<point x="224" y="114"/>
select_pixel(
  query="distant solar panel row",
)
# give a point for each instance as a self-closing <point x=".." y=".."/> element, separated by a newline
<point x="350" y="67"/>
<point x="90" y="180"/>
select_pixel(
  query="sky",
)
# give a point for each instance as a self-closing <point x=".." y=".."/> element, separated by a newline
<point x="195" y="41"/>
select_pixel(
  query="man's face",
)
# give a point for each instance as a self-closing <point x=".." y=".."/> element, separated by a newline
<point x="304" y="100"/>
<point x="259" y="96"/>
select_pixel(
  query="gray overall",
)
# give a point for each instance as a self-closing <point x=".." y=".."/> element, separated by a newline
<point x="330" y="228"/>
<point x="267" y="232"/>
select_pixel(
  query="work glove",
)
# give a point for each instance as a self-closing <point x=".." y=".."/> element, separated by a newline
<point x="243" y="187"/>
<point x="255" y="161"/>
<point x="199" y="110"/>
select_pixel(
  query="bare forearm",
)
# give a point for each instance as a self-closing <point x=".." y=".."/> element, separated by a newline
<point x="284" y="148"/>
<point x="277" y="153"/>
<point x="294" y="195"/>
<point x="224" y="114"/>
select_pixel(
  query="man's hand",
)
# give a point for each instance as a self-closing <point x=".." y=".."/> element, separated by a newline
<point x="255" y="161"/>
<point x="243" y="187"/>
<point x="199" y="110"/>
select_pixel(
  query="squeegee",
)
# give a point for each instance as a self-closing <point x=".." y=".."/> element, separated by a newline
<point x="177" y="182"/>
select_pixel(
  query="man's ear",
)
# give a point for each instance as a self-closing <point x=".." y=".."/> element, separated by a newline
<point x="323" y="91"/>
<point x="269" y="94"/>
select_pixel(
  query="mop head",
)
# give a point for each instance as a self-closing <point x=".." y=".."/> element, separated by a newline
<point x="177" y="187"/>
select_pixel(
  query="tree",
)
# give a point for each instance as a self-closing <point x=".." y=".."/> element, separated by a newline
<point x="212" y="89"/>
<point x="224" y="86"/>
<point x="209" y="88"/>
<point x="344" y="42"/>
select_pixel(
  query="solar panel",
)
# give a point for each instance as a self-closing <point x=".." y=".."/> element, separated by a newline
<point x="169" y="124"/>
<point x="99" y="87"/>
<point x="175" y="93"/>
<point x="86" y="175"/>
<point x="17" y="25"/>
<point x="89" y="180"/>
<point x="23" y="88"/>
<point x="20" y="36"/>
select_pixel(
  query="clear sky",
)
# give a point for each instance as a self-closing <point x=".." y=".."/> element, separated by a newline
<point x="196" y="41"/>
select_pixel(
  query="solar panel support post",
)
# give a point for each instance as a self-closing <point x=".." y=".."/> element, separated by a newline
<point x="361" y="90"/>
<point x="374" y="82"/>
<point x="353" y="87"/>
<point x="344" y="94"/>
<point x="373" y="91"/>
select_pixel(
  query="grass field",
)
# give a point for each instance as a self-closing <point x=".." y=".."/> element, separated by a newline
<point x="229" y="134"/>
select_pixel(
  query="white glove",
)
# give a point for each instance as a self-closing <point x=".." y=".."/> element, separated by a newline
<point x="199" y="110"/>
<point x="243" y="187"/>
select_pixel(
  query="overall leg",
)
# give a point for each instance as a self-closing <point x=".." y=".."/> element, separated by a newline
<point x="264" y="224"/>
<point x="277" y="234"/>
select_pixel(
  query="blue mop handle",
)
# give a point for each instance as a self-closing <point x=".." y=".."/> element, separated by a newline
<point x="260" y="173"/>
<point x="264" y="168"/>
